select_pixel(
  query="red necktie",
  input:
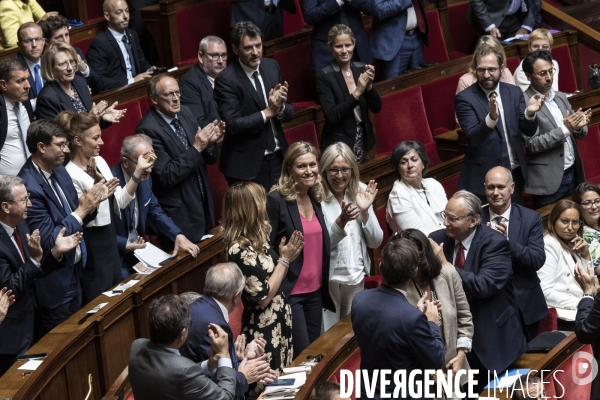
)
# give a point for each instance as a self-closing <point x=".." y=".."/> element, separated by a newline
<point x="420" y="20"/>
<point x="19" y="243"/>
<point x="459" y="260"/>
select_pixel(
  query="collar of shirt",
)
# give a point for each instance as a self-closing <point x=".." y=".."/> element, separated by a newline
<point x="31" y="65"/>
<point x="466" y="242"/>
<point x="401" y="291"/>
<point x="118" y="36"/>
<point x="223" y="309"/>
<point x="10" y="105"/>
<point x="504" y="215"/>
<point x="167" y="118"/>
<point x="9" y="230"/>
<point x="211" y="80"/>
<point x="487" y="92"/>
<point x="249" y="71"/>
<point x="46" y="175"/>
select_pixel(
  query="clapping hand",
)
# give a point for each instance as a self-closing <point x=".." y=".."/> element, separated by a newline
<point x="240" y="346"/>
<point x="99" y="109"/>
<point x="535" y="104"/>
<point x="7" y="299"/>
<point x="366" y="198"/>
<point x="112" y="114"/>
<point x="145" y="161"/>
<point x="290" y="251"/>
<point x="349" y="213"/>
<point x="256" y="347"/>
<point x="586" y="279"/>
<point x="204" y="136"/>
<point x="493" y="105"/>
<point x="92" y="170"/>
<point x="501" y="227"/>
<point x="35" y="246"/>
<point x="110" y="188"/>
<point x="64" y="244"/>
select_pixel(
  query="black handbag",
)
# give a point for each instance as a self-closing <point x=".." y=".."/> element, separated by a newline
<point x="594" y="76"/>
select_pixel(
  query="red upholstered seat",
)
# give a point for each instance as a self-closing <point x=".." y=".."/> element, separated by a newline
<point x="371" y="282"/>
<point x="206" y="18"/>
<point x="549" y="323"/>
<point x="512" y="64"/>
<point x="303" y="133"/>
<point x="450" y="185"/>
<point x="352" y="364"/>
<point x="294" y="22"/>
<point x="188" y="61"/>
<point x="436" y="50"/>
<point x="113" y="135"/>
<point x="588" y="149"/>
<point x="129" y="396"/>
<point x="380" y="214"/>
<point x="462" y="36"/>
<point x="94" y="9"/>
<point x="219" y="187"/>
<point x="235" y="321"/>
<point x="564" y="385"/>
<point x="438" y="98"/>
<point x="296" y="70"/>
<point x="83" y="44"/>
<point x="402" y="118"/>
<point x="566" y="76"/>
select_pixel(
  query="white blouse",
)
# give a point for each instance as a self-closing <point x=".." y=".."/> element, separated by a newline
<point x="83" y="182"/>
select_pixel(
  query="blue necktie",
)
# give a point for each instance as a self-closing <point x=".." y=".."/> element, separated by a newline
<point x="22" y="129"/>
<point x="39" y="83"/>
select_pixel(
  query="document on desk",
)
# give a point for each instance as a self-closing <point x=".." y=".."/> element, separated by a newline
<point x="31" y="365"/>
<point x="285" y="392"/>
<point x="151" y="255"/>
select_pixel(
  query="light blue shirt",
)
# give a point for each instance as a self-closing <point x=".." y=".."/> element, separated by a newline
<point x="119" y="38"/>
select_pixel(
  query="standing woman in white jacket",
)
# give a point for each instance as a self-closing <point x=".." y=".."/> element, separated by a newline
<point x="352" y="227"/>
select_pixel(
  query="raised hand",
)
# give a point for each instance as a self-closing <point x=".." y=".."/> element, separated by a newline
<point x="89" y="201"/>
<point x="349" y="213"/>
<point x="218" y="338"/>
<point x="112" y="114"/>
<point x="204" y="136"/>
<point x="64" y="244"/>
<point x="292" y="249"/>
<point x="438" y="249"/>
<point x="586" y="279"/>
<point x="145" y="161"/>
<point x="92" y="170"/>
<point x="255" y="370"/>
<point x="7" y="299"/>
<point x="493" y="105"/>
<point x="111" y="187"/>
<point x="581" y="247"/>
<point x="535" y="104"/>
<point x="366" y="198"/>
<point x="256" y="347"/>
<point x="240" y="346"/>
<point x="35" y="246"/>
<point x="99" y="109"/>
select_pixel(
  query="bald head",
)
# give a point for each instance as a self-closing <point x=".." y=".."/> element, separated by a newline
<point x="499" y="187"/>
<point x="116" y="13"/>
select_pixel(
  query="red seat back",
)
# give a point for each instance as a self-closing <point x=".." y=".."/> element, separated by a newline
<point x="402" y="118"/>
<point x="438" y="98"/>
<point x="94" y="9"/>
<point x="235" y="320"/>
<point x="294" y="22"/>
<point x="564" y="384"/>
<point x="295" y="69"/>
<point x="83" y="44"/>
<point x="436" y="50"/>
<point x="352" y="364"/>
<point x="588" y="147"/>
<point x="512" y="64"/>
<point x="303" y="133"/>
<point x="129" y="396"/>
<point x="113" y="135"/>
<point x="549" y="323"/>
<point x="206" y="18"/>
<point x="219" y="187"/>
<point x="380" y="214"/>
<point x="450" y="185"/>
<point x="463" y="37"/>
<point x="566" y="74"/>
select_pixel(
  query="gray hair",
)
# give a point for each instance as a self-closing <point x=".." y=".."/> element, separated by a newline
<point x="7" y="183"/>
<point x="205" y="41"/>
<point x="472" y="202"/>
<point x="223" y="281"/>
<point x="130" y="142"/>
<point x="189" y="297"/>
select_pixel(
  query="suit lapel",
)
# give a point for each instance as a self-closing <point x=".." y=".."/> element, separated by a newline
<point x="295" y="215"/>
<point x="471" y="254"/>
<point x="11" y="246"/>
<point x="117" y="49"/>
<point x="514" y="224"/>
<point x="170" y="133"/>
<point x="480" y="96"/>
<point x="87" y="100"/>
<point x="485" y="215"/>
<point x="3" y="121"/>
<point x="45" y="185"/>
<point x="545" y="110"/>
<point x="449" y="245"/>
<point x="247" y="84"/>
<point x="190" y="128"/>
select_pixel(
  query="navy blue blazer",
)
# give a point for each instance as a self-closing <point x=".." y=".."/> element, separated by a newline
<point x="148" y="207"/>
<point x="323" y="15"/>
<point x="197" y="95"/>
<point x="175" y="182"/>
<point x="245" y="138"/>
<point x="204" y="311"/>
<point x="32" y="93"/>
<point x="17" y="332"/>
<point x="4" y="118"/>
<point x="526" y="240"/>
<point x="104" y="56"/>
<point x="498" y="339"/>
<point x="389" y="26"/>
<point x="587" y="329"/>
<point x="285" y="219"/>
<point x="486" y="148"/>
<point x="393" y="334"/>
<point x="254" y="10"/>
<point x="47" y="214"/>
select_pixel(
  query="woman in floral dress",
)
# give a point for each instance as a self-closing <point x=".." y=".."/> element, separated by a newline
<point x="587" y="195"/>
<point x="246" y="235"/>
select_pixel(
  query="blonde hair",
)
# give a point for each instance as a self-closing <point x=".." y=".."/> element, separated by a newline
<point x="286" y="185"/>
<point x="484" y="44"/>
<point x="338" y="30"/>
<point x="541" y="34"/>
<point x="328" y="157"/>
<point x="245" y="220"/>
<point x="49" y="58"/>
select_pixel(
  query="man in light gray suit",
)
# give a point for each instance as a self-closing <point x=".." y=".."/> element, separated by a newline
<point x="502" y="19"/>
<point x="553" y="161"/>
<point x="156" y="369"/>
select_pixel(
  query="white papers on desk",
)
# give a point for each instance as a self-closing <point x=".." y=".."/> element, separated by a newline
<point x="299" y="380"/>
<point x="31" y="365"/>
<point x="151" y="255"/>
<point x="120" y="288"/>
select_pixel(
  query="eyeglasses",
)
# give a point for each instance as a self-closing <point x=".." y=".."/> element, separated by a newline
<point x="550" y="72"/>
<point x="65" y="65"/>
<point x="32" y="40"/>
<point x="135" y="162"/>
<point x="491" y="71"/>
<point x="62" y="146"/>
<point x="590" y="203"/>
<point x="171" y="95"/>
<point x="22" y="201"/>
<point x="216" y="56"/>
<point x="567" y="222"/>
<point x="335" y="171"/>
<point x="453" y="218"/>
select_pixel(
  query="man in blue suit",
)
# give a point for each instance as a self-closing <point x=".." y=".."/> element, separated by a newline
<point x="524" y="231"/>
<point x="393" y="334"/>
<point x="130" y="225"/>
<point x="493" y="116"/>
<point x="222" y="294"/>
<point x="481" y="257"/>
<point x="31" y="46"/>
<point x="54" y="206"/>
<point x="398" y="33"/>
<point x="266" y="14"/>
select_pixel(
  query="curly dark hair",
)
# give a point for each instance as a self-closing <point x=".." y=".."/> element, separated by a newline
<point x="429" y="265"/>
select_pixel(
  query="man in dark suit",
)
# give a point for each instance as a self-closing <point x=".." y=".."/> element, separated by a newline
<point x="115" y="53"/>
<point x="21" y="263"/>
<point x="130" y="224"/>
<point x="503" y="19"/>
<point x="15" y="115"/>
<point x="493" y="116"/>
<point x="158" y="372"/>
<point x="252" y="100"/>
<point x="481" y="257"/>
<point x="56" y="29"/>
<point x="323" y="15"/>
<point x="553" y="160"/>
<point x="222" y="294"/>
<point x="398" y="33"/>
<point x="55" y="206"/>
<point x="198" y="82"/>
<point x="183" y="150"/>
<point x="266" y="14"/>
<point x="524" y="231"/>
<point x="392" y="334"/>
<point x="31" y="46"/>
